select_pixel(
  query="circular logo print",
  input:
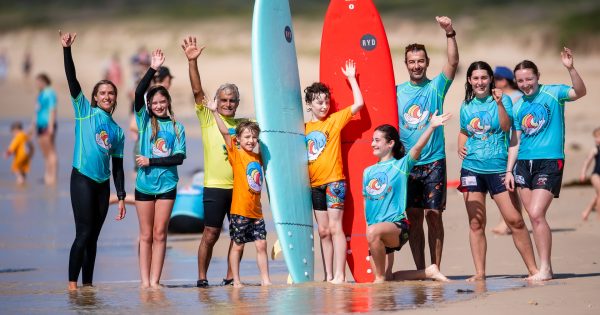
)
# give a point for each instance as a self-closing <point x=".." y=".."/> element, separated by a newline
<point x="415" y="115"/>
<point x="163" y="144"/>
<point x="103" y="137"/>
<point x="535" y="118"/>
<point x="480" y="123"/>
<point x="287" y="32"/>
<point x="254" y="176"/>
<point x="368" y="42"/>
<point x="315" y="144"/>
<point x="377" y="184"/>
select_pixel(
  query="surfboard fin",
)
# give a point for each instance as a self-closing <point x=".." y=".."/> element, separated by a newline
<point x="289" y="279"/>
<point x="276" y="250"/>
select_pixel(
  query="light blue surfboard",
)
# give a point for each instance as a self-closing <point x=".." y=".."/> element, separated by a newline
<point x="278" y="105"/>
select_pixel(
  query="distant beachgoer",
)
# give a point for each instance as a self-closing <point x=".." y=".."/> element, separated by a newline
<point x="325" y="169"/>
<point x="113" y="71"/>
<point x="27" y="64"/>
<point x="593" y="156"/>
<point x="536" y="155"/>
<point x="98" y="139"/>
<point x="485" y="125"/>
<point x="44" y="126"/>
<point x="22" y="149"/>
<point x="3" y="66"/>
<point x="385" y="192"/>
<point x="162" y="149"/>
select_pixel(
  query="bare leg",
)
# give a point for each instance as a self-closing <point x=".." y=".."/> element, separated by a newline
<point x="145" y="212"/>
<point x="326" y="242"/>
<point x="507" y="203"/>
<point x="588" y="210"/>
<point x="262" y="261"/>
<point x="595" y="179"/>
<point x="432" y="272"/>
<point x="49" y="152"/>
<point x="205" y="249"/>
<point x="389" y="266"/>
<point x="475" y="204"/>
<point x="159" y="242"/>
<point x="501" y="228"/>
<point x="435" y="235"/>
<point x="234" y="261"/>
<point x="417" y="236"/>
<point x="536" y="203"/>
<point x="338" y="239"/>
<point x="379" y="236"/>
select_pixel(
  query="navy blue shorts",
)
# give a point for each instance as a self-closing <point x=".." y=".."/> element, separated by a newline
<point x="169" y="195"/>
<point x="475" y="182"/>
<point x="246" y="230"/>
<point x="540" y="174"/>
<point x="427" y="186"/>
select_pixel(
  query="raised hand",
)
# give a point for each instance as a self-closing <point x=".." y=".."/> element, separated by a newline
<point x="497" y="95"/>
<point x="67" y="39"/>
<point x="190" y="48"/>
<point x="158" y="58"/>
<point x="211" y="105"/>
<point x="566" y="56"/>
<point x="439" y="120"/>
<point x="445" y="23"/>
<point x="350" y="70"/>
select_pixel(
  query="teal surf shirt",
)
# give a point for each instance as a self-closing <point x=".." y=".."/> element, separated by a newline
<point x="384" y="190"/>
<point x="46" y="103"/>
<point x="416" y="105"/>
<point x="97" y="138"/>
<point x="487" y="143"/>
<point x="153" y="180"/>
<point x="541" y="119"/>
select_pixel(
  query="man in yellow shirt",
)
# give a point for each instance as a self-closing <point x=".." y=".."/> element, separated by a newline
<point x="218" y="174"/>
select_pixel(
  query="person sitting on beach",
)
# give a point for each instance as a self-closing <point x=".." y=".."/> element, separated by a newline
<point x="22" y="149"/>
<point x="594" y="155"/>
<point x="485" y="125"/>
<point x="385" y="192"/>
<point x="98" y="138"/>
<point x="162" y="149"/>
<point x="537" y="156"/>
<point x="325" y="169"/>
<point x="218" y="174"/>
<point x="246" y="223"/>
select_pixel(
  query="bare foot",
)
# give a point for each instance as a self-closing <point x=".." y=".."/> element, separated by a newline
<point x="238" y="285"/>
<point x="72" y="286"/>
<point x="501" y="229"/>
<point x="433" y="272"/>
<point x="476" y="278"/>
<point x="541" y="276"/>
<point x="339" y="280"/>
<point x="265" y="284"/>
<point x="156" y="286"/>
<point x="379" y="280"/>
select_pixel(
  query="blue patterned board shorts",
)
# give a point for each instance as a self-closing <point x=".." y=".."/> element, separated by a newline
<point x="246" y="230"/>
<point x="329" y="196"/>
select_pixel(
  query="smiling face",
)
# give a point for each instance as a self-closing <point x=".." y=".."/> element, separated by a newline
<point x="527" y="81"/>
<point x="480" y="82"/>
<point x="248" y="139"/>
<point x="381" y="147"/>
<point x="106" y="97"/>
<point x="319" y="106"/>
<point x="159" y="105"/>
<point x="416" y="64"/>
<point x="227" y="103"/>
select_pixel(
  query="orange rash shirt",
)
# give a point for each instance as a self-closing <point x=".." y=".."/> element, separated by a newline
<point x="325" y="148"/>
<point x="247" y="181"/>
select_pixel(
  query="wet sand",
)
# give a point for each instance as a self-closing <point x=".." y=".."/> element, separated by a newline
<point x="37" y="227"/>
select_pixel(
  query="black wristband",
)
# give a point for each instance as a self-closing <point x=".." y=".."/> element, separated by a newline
<point x="451" y="34"/>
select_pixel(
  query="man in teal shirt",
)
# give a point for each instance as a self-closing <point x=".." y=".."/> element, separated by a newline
<point x="418" y="100"/>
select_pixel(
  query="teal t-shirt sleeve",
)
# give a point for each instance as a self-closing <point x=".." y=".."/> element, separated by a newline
<point x="515" y="114"/>
<point x="463" y="117"/>
<point x="180" y="141"/>
<point x="81" y="105"/>
<point x="141" y="117"/>
<point x="50" y="99"/>
<point x="562" y="93"/>
<point x="364" y="181"/>
<point x="442" y="84"/>
<point x="508" y="106"/>
<point x="405" y="164"/>
<point x="120" y="145"/>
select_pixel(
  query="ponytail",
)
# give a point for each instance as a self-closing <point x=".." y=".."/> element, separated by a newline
<point x="391" y="134"/>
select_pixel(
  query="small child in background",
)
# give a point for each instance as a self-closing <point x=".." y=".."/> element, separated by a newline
<point x="22" y="149"/>
<point x="246" y="223"/>
<point x="595" y="178"/>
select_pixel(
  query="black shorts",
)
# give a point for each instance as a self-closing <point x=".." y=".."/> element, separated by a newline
<point x="185" y="224"/>
<point x="540" y="174"/>
<point x="169" y="195"/>
<point x="404" y="227"/>
<point x="427" y="186"/>
<point x="217" y="204"/>
<point x="475" y="182"/>
<point x="44" y="130"/>
<point x="329" y="196"/>
<point x="246" y="230"/>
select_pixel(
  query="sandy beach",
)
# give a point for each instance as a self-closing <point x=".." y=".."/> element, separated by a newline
<point x="576" y="254"/>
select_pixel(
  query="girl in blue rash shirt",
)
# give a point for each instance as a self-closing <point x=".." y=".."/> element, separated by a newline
<point x="538" y="148"/>
<point x="162" y="148"/>
<point x="384" y="190"/>
<point x="485" y="122"/>
<point x="97" y="137"/>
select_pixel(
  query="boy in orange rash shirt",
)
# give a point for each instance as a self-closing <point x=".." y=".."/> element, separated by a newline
<point x="21" y="147"/>
<point x="325" y="169"/>
<point x="246" y="222"/>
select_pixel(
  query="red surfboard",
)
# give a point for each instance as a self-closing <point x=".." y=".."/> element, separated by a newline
<point x="353" y="30"/>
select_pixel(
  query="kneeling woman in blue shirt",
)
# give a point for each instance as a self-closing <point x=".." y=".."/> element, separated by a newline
<point x="162" y="148"/>
<point x="384" y="190"/>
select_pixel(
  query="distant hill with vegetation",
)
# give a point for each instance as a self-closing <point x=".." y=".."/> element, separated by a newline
<point x="576" y="22"/>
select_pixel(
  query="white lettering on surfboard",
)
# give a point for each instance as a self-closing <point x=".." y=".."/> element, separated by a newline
<point x="368" y="42"/>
